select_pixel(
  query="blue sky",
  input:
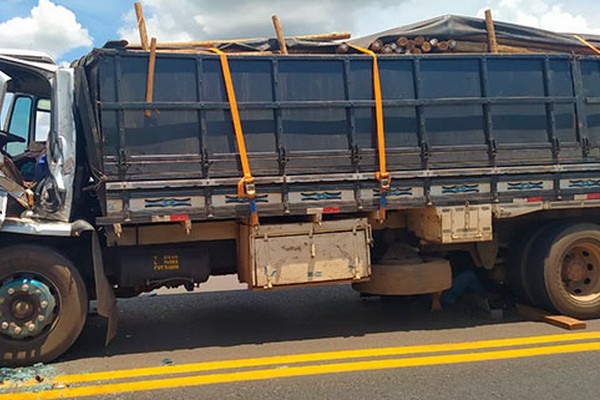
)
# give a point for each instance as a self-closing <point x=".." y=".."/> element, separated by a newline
<point x="68" y="29"/>
<point x="102" y="18"/>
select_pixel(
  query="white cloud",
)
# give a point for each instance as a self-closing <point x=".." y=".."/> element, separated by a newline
<point x="49" y="27"/>
<point x="544" y="14"/>
<point x="184" y="20"/>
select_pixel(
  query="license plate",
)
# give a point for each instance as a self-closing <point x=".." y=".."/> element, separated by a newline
<point x="3" y="202"/>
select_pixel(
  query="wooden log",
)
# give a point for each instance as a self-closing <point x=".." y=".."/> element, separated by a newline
<point x="150" y="77"/>
<point x="442" y="46"/>
<point x="211" y="43"/>
<point x="419" y="40"/>
<point x="402" y="41"/>
<point x="491" y="31"/>
<point x="387" y="49"/>
<point x="141" y="23"/>
<point x="426" y="47"/>
<point x="279" y="34"/>
<point x="376" y="46"/>
<point x="343" y="48"/>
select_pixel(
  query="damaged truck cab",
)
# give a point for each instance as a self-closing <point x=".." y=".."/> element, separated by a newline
<point x="43" y="295"/>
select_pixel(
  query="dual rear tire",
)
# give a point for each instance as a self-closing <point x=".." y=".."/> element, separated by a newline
<point x="557" y="268"/>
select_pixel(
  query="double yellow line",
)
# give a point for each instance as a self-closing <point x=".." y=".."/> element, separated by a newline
<point x="362" y="360"/>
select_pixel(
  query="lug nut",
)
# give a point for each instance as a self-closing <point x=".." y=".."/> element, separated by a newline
<point x="11" y="291"/>
<point x="31" y="327"/>
<point x="25" y="287"/>
<point x="41" y="318"/>
<point x="4" y="325"/>
<point x="43" y="304"/>
<point x="18" y="329"/>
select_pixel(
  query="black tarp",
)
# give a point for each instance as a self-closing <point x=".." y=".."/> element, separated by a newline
<point x="473" y="29"/>
<point x="442" y="28"/>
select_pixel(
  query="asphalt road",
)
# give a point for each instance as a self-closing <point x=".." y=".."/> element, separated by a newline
<point x="316" y="343"/>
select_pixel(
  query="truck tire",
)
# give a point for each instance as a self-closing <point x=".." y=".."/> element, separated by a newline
<point x="43" y="305"/>
<point x="517" y="268"/>
<point x="564" y="270"/>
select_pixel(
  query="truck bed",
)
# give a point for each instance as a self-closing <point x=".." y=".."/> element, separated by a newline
<point x="459" y="128"/>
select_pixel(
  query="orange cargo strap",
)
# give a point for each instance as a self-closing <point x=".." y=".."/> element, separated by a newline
<point x="245" y="188"/>
<point x="383" y="176"/>
<point x="588" y="44"/>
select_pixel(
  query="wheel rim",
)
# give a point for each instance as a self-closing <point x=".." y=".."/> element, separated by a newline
<point x="28" y="307"/>
<point x="580" y="272"/>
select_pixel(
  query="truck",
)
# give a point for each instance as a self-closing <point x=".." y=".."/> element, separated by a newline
<point x="130" y="170"/>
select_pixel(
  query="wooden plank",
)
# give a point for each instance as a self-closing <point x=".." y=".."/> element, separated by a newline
<point x="565" y="322"/>
<point x="562" y="321"/>
<point x="279" y="34"/>
<point x="141" y="22"/>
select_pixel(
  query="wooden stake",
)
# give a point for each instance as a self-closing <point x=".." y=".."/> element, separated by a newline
<point x="141" y="22"/>
<point x="150" y="78"/>
<point x="491" y="31"/>
<point x="279" y="33"/>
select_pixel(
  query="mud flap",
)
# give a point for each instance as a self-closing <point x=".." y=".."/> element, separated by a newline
<point x="106" y="302"/>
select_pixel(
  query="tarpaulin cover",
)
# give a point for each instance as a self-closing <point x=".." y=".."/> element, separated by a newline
<point x="443" y="28"/>
<point x="473" y="29"/>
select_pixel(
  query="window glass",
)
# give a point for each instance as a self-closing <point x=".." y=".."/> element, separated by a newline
<point x="42" y="120"/>
<point x="4" y="112"/>
<point x="19" y="124"/>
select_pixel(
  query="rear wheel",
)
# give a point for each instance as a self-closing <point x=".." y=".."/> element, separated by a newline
<point x="43" y="305"/>
<point x="517" y="269"/>
<point x="564" y="270"/>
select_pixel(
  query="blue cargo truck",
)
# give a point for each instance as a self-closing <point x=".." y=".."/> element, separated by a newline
<point x="291" y="170"/>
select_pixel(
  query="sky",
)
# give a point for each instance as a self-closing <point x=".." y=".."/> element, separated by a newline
<point x="68" y="29"/>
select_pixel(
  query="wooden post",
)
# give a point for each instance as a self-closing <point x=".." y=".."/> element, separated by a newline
<point x="491" y="31"/>
<point x="150" y="78"/>
<point x="279" y="33"/>
<point x="141" y="22"/>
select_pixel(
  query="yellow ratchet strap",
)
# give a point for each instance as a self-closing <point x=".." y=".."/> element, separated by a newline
<point x="588" y="44"/>
<point x="383" y="176"/>
<point x="246" y="188"/>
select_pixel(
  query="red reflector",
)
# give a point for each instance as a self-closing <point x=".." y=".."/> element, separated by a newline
<point x="331" y="210"/>
<point x="179" y="217"/>
<point x="534" y="199"/>
<point x="593" y="196"/>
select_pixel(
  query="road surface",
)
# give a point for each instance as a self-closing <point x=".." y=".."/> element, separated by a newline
<point x="314" y="343"/>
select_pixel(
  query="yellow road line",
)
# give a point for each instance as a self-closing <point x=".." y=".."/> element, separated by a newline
<point x="199" y="380"/>
<point x="324" y="356"/>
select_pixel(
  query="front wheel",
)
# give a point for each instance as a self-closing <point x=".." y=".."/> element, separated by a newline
<point x="43" y="305"/>
<point x="564" y="270"/>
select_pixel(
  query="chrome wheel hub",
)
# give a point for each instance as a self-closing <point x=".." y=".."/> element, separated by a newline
<point x="27" y="307"/>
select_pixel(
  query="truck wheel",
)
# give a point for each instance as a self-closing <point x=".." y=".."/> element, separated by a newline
<point x="43" y="305"/>
<point x="564" y="270"/>
<point x="517" y="269"/>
